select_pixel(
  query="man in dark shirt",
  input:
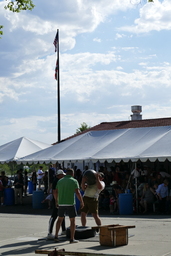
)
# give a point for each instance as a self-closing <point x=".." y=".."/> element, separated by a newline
<point x="60" y="174"/>
<point x="18" y="188"/>
<point x="51" y="175"/>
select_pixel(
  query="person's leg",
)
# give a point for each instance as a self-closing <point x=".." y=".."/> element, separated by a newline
<point x="52" y="219"/>
<point x="161" y="205"/>
<point x="164" y="205"/>
<point x="39" y="183"/>
<point x="97" y="218"/>
<point x="72" y="228"/>
<point x="26" y="189"/>
<point x="72" y="213"/>
<point x="2" y="200"/>
<point x="20" y="191"/>
<point x="49" y="204"/>
<point x="93" y="208"/>
<point x="34" y="186"/>
<point x="63" y="225"/>
<point x="58" y="225"/>
<point x="16" y="195"/>
<point x="145" y="206"/>
<point x="2" y="197"/>
<point x="84" y="211"/>
<point x="142" y="206"/>
<point x="83" y="219"/>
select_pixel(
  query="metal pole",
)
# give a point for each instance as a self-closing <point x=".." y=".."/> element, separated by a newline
<point x="58" y="93"/>
<point x="136" y="190"/>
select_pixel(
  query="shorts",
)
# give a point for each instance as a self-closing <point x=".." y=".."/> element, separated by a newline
<point x="69" y="210"/>
<point x="39" y="181"/>
<point x="91" y="205"/>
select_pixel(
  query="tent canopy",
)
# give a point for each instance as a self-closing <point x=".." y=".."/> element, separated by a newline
<point x="149" y="143"/>
<point x="18" y="148"/>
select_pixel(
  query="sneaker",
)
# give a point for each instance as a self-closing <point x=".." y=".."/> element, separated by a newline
<point x="63" y="232"/>
<point x="50" y="236"/>
<point x="73" y="241"/>
<point x="56" y="239"/>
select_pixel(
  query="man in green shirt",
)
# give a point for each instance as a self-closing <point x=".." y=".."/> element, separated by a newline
<point x="66" y="189"/>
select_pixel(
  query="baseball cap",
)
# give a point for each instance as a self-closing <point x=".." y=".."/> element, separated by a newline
<point x="60" y="172"/>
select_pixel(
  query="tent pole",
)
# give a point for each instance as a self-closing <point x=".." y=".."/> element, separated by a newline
<point x="48" y="181"/>
<point x="136" y="190"/>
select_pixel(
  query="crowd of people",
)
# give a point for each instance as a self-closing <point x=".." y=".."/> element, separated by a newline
<point x="62" y="186"/>
<point x="20" y="184"/>
<point x="151" y="189"/>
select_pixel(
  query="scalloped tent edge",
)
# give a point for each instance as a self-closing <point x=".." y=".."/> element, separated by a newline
<point x="133" y="144"/>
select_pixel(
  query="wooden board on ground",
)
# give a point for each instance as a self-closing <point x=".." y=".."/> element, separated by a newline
<point x="63" y="252"/>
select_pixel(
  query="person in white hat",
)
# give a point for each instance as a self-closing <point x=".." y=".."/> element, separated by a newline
<point x="59" y="175"/>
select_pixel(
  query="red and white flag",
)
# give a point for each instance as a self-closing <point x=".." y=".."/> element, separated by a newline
<point x="56" y="70"/>
<point x="56" y="41"/>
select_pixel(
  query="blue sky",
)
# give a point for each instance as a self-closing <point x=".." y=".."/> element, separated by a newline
<point x="113" y="54"/>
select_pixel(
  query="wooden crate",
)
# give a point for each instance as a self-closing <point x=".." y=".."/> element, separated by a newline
<point x="113" y="235"/>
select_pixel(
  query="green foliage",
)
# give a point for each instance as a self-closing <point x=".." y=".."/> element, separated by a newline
<point x="83" y="128"/>
<point x="1" y="32"/>
<point x="5" y="168"/>
<point x="19" y="5"/>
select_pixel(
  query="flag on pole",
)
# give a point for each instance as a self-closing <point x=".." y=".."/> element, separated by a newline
<point x="56" y="70"/>
<point x="56" y="42"/>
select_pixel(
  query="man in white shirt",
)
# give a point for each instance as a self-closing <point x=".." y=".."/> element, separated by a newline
<point x="90" y="198"/>
<point x="40" y="174"/>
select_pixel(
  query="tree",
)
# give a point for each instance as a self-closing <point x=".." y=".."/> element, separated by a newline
<point x="83" y="128"/>
<point x="20" y="5"/>
<point x="5" y="168"/>
<point x="17" y="6"/>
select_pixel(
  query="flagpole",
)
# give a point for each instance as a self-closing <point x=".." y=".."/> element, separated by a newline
<point x="58" y="94"/>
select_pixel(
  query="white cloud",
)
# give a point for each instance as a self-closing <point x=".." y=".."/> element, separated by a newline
<point x="118" y="36"/>
<point x="153" y="16"/>
<point x="97" y="40"/>
<point x="97" y="84"/>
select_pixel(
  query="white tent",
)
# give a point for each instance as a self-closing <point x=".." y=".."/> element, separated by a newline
<point x="18" y="148"/>
<point x="149" y="143"/>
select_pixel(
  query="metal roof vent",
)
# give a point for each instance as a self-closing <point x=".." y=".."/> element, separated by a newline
<point x="136" y="110"/>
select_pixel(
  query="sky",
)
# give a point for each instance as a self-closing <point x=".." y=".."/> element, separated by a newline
<point x="113" y="55"/>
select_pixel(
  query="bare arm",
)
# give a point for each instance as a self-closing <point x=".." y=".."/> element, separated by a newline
<point x="84" y="183"/>
<point x="55" y="194"/>
<point x="80" y="198"/>
<point x="98" y="183"/>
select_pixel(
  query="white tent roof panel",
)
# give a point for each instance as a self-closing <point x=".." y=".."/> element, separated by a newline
<point x="123" y="144"/>
<point x="18" y="148"/>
